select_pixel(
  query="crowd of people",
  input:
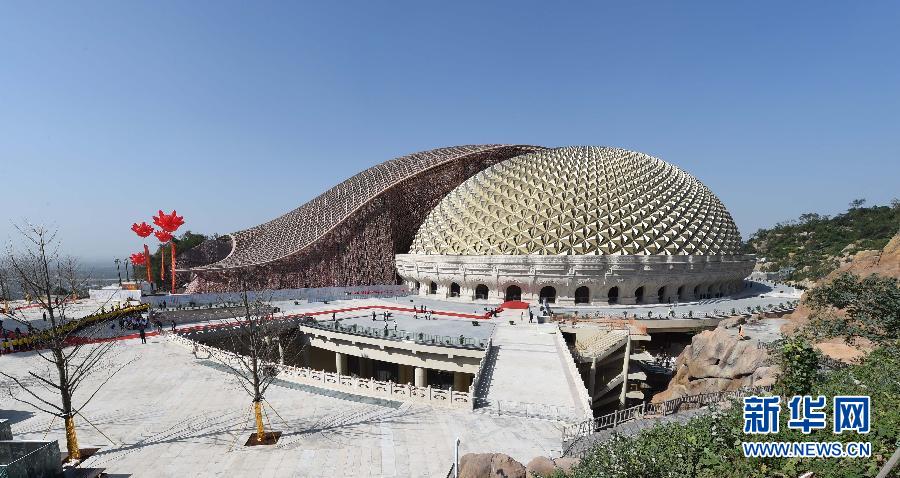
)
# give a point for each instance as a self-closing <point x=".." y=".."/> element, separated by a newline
<point x="8" y="338"/>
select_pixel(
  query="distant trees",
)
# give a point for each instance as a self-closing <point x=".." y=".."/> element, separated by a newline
<point x="857" y="203"/>
<point x="813" y="245"/>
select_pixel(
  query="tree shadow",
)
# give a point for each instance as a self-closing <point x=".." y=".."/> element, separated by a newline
<point x="15" y="416"/>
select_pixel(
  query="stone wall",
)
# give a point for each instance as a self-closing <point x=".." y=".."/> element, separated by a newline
<point x="678" y="277"/>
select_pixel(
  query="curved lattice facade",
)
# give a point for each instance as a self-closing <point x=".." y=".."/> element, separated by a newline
<point x="349" y="234"/>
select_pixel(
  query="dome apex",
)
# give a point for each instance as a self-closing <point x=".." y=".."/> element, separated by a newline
<point x="583" y="200"/>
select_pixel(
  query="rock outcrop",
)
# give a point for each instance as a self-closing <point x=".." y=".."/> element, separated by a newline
<point x="885" y="262"/>
<point x="541" y="466"/>
<point x="716" y="361"/>
<point x="489" y="465"/>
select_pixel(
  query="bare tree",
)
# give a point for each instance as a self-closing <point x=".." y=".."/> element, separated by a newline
<point x="5" y="284"/>
<point x="257" y="345"/>
<point x="49" y="280"/>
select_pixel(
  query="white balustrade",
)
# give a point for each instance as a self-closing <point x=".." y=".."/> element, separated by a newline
<point x="345" y="383"/>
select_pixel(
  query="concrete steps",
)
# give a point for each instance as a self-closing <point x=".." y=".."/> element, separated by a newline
<point x="530" y="377"/>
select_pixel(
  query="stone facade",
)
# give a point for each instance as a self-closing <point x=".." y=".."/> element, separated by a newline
<point x="629" y="279"/>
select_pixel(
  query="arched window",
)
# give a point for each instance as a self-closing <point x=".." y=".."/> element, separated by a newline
<point x="613" y="295"/>
<point x="582" y="295"/>
<point x="548" y="293"/>
<point x="661" y="294"/>
<point x="639" y="295"/>
<point x="432" y="289"/>
<point x="513" y="292"/>
<point x="454" y="290"/>
<point x="481" y="292"/>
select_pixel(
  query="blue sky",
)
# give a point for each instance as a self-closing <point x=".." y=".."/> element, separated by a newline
<point x="234" y="113"/>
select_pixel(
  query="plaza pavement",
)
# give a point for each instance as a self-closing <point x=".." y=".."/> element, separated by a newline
<point x="171" y="414"/>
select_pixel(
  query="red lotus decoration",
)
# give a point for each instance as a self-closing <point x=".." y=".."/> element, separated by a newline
<point x="138" y="259"/>
<point x="163" y="236"/>
<point x="169" y="222"/>
<point x="143" y="229"/>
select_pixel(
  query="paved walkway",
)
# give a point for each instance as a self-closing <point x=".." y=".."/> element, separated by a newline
<point x="172" y="415"/>
<point x="529" y="376"/>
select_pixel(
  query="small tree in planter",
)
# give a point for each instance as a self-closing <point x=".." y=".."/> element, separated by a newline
<point x="257" y="344"/>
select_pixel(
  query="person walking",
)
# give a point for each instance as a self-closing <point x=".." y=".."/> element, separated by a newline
<point x="143" y="336"/>
<point x="173" y="326"/>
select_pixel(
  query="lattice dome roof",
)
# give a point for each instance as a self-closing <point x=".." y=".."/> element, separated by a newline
<point x="579" y="200"/>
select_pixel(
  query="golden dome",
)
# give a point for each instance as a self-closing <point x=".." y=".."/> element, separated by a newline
<point x="579" y="200"/>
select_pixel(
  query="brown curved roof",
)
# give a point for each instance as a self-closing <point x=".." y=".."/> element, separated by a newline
<point x="294" y="231"/>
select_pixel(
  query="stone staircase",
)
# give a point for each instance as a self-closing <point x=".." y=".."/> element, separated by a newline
<point x="530" y="376"/>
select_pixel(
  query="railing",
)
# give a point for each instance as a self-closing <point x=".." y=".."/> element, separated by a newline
<point x="668" y="407"/>
<point x="334" y="381"/>
<point x="574" y="377"/>
<point x="460" y="341"/>
<point x="310" y="294"/>
<point x="477" y="390"/>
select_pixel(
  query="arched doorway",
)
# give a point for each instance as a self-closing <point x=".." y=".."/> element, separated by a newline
<point x="613" y="296"/>
<point x="681" y="293"/>
<point x="661" y="294"/>
<point x="418" y="286"/>
<point x="454" y="290"/>
<point x="639" y="295"/>
<point x="582" y="295"/>
<point x="481" y="292"/>
<point x="697" y="292"/>
<point x="513" y="292"/>
<point x="549" y="293"/>
<point x="432" y="288"/>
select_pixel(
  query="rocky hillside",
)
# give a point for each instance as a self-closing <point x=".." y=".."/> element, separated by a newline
<point x="716" y="360"/>
<point x="814" y="245"/>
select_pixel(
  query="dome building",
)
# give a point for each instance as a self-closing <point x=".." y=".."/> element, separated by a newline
<point x="582" y="225"/>
<point x="577" y="225"/>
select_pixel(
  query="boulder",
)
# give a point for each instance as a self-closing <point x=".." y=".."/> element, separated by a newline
<point x="566" y="464"/>
<point x="489" y="465"/>
<point x="716" y="361"/>
<point x="539" y="466"/>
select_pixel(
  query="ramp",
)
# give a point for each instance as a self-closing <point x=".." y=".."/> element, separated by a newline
<point x="534" y="375"/>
